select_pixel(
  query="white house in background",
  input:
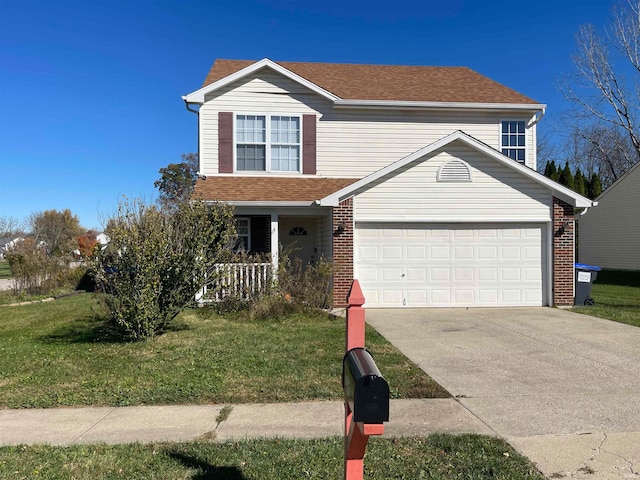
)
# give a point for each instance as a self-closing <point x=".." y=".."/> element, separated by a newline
<point x="418" y="181"/>
<point x="103" y="239"/>
<point x="8" y="243"/>
<point x="610" y="234"/>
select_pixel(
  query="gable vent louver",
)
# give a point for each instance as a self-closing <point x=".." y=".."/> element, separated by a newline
<point x="454" y="171"/>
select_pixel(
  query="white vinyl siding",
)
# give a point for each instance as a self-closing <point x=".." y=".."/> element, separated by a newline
<point x="610" y="233"/>
<point x="350" y="143"/>
<point x="451" y="265"/>
<point x="495" y="194"/>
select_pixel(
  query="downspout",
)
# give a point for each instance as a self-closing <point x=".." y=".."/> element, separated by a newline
<point x="537" y="117"/>
<point x="197" y="112"/>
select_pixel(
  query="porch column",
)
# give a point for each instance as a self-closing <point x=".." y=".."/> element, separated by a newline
<point x="274" y="243"/>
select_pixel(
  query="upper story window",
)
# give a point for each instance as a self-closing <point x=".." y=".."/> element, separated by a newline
<point x="513" y="139"/>
<point x="267" y="143"/>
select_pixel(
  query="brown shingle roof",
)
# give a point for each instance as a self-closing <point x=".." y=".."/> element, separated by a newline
<point x="390" y="82"/>
<point x="266" y="189"/>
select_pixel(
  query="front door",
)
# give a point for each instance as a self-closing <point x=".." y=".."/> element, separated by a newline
<point x="298" y="238"/>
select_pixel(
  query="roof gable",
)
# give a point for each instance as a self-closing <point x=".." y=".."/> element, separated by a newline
<point x="558" y="190"/>
<point x="377" y="84"/>
<point x="632" y="174"/>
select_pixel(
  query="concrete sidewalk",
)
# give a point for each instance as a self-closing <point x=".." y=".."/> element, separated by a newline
<point x="68" y="426"/>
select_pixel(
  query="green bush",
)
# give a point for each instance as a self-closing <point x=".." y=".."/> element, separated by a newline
<point x="299" y="288"/>
<point x="157" y="260"/>
<point x="71" y="278"/>
<point x="309" y="285"/>
<point x="35" y="272"/>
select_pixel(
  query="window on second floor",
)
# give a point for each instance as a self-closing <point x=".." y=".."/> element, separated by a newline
<point x="267" y="143"/>
<point x="513" y="139"/>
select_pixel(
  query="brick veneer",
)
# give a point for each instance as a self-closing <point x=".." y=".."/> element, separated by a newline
<point x="563" y="253"/>
<point x="342" y="252"/>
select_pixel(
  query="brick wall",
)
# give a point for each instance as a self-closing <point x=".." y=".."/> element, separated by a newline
<point x="342" y="252"/>
<point x="563" y="253"/>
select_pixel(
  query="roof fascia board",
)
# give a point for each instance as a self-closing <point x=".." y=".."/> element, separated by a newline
<point x="266" y="203"/>
<point x="558" y="190"/>
<point x="198" y="97"/>
<point x="384" y="104"/>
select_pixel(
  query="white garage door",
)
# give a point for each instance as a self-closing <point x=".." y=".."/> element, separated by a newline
<point x="431" y="265"/>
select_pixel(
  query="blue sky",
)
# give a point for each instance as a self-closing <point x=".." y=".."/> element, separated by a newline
<point x="90" y="92"/>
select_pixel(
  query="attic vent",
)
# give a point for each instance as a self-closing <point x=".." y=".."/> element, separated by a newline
<point x="454" y="171"/>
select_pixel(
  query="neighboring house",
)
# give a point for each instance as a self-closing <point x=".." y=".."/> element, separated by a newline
<point x="103" y="240"/>
<point x="418" y="181"/>
<point x="610" y="234"/>
<point x="8" y="243"/>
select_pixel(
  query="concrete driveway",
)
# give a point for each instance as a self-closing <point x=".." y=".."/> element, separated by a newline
<point x="562" y="388"/>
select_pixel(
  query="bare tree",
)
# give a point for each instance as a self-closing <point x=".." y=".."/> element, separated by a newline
<point x="9" y="226"/>
<point x="604" y="90"/>
<point x="547" y="151"/>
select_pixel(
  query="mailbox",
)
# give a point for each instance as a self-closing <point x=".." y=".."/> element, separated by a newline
<point x="365" y="389"/>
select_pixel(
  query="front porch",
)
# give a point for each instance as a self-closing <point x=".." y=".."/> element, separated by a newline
<point x="303" y="234"/>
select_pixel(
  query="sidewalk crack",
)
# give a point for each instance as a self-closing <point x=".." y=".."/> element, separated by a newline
<point x="93" y="425"/>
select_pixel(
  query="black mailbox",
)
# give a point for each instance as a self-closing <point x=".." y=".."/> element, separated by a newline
<point x="365" y="389"/>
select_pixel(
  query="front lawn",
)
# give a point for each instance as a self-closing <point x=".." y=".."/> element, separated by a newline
<point x="58" y="354"/>
<point x="5" y="270"/>
<point x="617" y="297"/>
<point x="440" y="457"/>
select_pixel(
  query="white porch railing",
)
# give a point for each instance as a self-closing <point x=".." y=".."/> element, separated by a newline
<point x="240" y="280"/>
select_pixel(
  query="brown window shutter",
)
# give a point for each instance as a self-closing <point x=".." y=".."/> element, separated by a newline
<point x="225" y="142"/>
<point x="309" y="144"/>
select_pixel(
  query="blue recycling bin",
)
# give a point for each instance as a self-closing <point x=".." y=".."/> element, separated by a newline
<point x="585" y="276"/>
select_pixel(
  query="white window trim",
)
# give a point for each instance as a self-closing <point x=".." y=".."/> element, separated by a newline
<point x="267" y="143"/>
<point x="526" y="138"/>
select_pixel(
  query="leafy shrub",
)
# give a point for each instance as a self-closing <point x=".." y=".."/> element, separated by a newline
<point x="309" y="285"/>
<point x="34" y="271"/>
<point x="73" y="278"/>
<point x="299" y="288"/>
<point x="157" y="260"/>
<point x="273" y="306"/>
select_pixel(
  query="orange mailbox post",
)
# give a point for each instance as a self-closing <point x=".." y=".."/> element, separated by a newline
<point x="366" y="391"/>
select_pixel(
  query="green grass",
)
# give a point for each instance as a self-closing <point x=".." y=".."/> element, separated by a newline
<point x="5" y="270"/>
<point x="59" y="354"/>
<point x="617" y="297"/>
<point x="435" y="457"/>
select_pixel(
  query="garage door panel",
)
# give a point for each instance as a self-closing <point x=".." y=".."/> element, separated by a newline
<point x="440" y="298"/>
<point x="392" y="253"/>
<point x="464" y="252"/>
<point x="440" y="252"/>
<point x="487" y="252"/>
<point x="487" y="274"/>
<point x="417" y="274"/>
<point x="391" y="275"/>
<point x="511" y="252"/>
<point x="393" y="296"/>
<point x="464" y="295"/>
<point x="451" y="265"/>
<point x="418" y="252"/>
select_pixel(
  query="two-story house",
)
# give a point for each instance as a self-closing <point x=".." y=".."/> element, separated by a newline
<point x="420" y="182"/>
